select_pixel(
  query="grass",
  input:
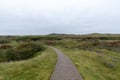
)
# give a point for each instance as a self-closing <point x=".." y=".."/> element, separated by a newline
<point x="109" y="53"/>
<point x="38" y="68"/>
<point x="94" y="66"/>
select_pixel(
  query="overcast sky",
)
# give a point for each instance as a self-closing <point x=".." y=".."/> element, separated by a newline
<point x="26" y="17"/>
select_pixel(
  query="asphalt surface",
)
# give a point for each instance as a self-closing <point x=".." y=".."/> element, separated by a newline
<point x="64" y="69"/>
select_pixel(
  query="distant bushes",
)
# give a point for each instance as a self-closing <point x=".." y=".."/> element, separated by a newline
<point x="4" y="41"/>
<point x="21" y="52"/>
<point x="26" y="48"/>
<point x="36" y="38"/>
<point x="90" y="44"/>
<point x="5" y="46"/>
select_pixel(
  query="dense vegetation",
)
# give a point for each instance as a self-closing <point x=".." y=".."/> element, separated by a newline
<point x="94" y="55"/>
<point x="37" y="68"/>
<point x="20" y="52"/>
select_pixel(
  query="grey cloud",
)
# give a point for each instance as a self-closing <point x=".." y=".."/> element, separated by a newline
<point x="54" y="17"/>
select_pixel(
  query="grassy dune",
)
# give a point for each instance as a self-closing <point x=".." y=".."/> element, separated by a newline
<point x="38" y="68"/>
<point x="95" y="66"/>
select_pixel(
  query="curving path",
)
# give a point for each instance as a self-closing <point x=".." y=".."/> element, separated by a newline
<point x="64" y="69"/>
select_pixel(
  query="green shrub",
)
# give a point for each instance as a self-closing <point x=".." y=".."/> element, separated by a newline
<point x="4" y="41"/>
<point x="22" y="51"/>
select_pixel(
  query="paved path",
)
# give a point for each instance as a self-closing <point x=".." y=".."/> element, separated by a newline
<point x="64" y="69"/>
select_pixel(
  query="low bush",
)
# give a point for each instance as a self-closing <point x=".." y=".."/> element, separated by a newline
<point x="22" y="51"/>
<point x="5" y="46"/>
<point x="4" y="41"/>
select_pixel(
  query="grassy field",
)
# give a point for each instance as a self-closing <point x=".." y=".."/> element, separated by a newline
<point x="38" y="68"/>
<point x="95" y="66"/>
<point x="97" y="56"/>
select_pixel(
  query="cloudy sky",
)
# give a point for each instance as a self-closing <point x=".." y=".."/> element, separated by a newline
<point x="26" y="17"/>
